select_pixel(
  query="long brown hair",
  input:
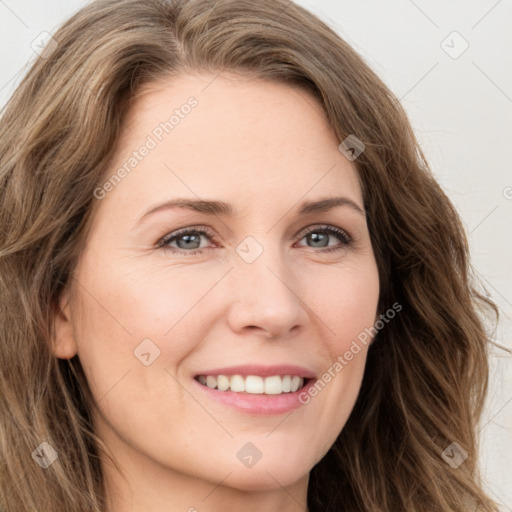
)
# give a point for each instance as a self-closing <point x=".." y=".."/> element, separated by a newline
<point x="427" y="371"/>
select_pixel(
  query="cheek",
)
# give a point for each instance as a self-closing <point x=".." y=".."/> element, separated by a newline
<point x="345" y="302"/>
<point x="133" y="299"/>
<point x="121" y="308"/>
<point x="346" y="305"/>
<point x="156" y="298"/>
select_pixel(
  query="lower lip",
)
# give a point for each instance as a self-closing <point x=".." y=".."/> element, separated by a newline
<point x="258" y="404"/>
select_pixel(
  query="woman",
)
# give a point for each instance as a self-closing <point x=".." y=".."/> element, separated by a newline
<point x="229" y="278"/>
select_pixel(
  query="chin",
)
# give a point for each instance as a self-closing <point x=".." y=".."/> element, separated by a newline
<point x="274" y="473"/>
<point x="264" y="479"/>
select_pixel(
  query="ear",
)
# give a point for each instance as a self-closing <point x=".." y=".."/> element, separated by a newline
<point x="64" y="345"/>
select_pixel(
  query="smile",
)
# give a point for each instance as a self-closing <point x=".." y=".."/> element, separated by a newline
<point x="253" y="384"/>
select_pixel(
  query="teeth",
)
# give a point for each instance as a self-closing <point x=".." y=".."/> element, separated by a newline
<point x="274" y="385"/>
<point x="254" y="384"/>
<point x="211" y="381"/>
<point x="297" y="383"/>
<point x="237" y="383"/>
<point x="222" y="383"/>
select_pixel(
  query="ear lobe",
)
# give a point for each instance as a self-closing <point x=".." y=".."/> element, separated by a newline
<point x="64" y="345"/>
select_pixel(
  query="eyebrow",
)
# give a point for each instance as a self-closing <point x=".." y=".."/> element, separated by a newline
<point x="222" y="208"/>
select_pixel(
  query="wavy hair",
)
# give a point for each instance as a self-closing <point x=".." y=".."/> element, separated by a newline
<point x="426" y="374"/>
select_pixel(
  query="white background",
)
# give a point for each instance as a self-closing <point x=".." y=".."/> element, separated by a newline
<point x="461" y="109"/>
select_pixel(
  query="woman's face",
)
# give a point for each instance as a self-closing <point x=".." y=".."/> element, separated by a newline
<point x="255" y="284"/>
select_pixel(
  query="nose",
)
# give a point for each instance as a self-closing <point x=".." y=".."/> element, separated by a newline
<point x="265" y="297"/>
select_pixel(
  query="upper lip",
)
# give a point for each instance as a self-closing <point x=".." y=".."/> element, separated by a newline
<point x="260" y="370"/>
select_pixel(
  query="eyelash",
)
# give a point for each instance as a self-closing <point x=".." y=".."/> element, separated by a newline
<point x="345" y="238"/>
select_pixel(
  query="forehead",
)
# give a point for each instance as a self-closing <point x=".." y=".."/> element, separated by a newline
<point x="232" y="137"/>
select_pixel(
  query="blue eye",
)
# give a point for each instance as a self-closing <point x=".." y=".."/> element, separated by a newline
<point x="188" y="240"/>
<point x="320" y="236"/>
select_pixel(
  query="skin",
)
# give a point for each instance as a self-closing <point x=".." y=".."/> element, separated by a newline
<point x="264" y="148"/>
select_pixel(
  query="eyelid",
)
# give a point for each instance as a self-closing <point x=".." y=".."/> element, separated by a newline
<point x="182" y="231"/>
<point x="331" y="229"/>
